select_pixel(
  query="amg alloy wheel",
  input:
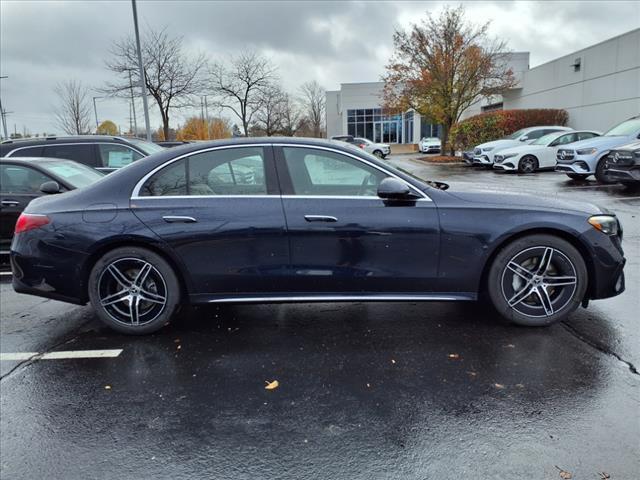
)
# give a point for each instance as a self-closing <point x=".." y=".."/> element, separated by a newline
<point x="528" y="164"/>
<point x="537" y="280"/>
<point x="133" y="290"/>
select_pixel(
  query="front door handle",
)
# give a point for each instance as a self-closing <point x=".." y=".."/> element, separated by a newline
<point x="320" y="218"/>
<point x="9" y="203"/>
<point x="178" y="219"/>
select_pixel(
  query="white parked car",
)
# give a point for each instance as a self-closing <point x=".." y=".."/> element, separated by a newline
<point x="483" y="153"/>
<point x="540" y="154"/>
<point x="430" y="145"/>
<point x="380" y="150"/>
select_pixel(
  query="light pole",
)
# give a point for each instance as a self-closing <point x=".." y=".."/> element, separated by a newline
<point x="3" y="114"/>
<point x="95" y="111"/>
<point x="143" y="88"/>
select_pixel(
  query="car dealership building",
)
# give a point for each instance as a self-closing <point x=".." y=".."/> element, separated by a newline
<point x="599" y="86"/>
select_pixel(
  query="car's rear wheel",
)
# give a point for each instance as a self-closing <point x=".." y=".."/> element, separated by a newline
<point x="528" y="164"/>
<point x="133" y="290"/>
<point x="601" y="175"/>
<point x="577" y="176"/>
<point x="537" y="280"/>
<point x="378" y="154"/>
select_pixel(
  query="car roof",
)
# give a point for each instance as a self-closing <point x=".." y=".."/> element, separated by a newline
<point x="32" y="160"/>
<point x="559" y="127"/>
<point x="65" y="139"/>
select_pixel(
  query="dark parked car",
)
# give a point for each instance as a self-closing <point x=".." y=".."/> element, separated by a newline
<point x="101" y="152"/>
<point x="23" y="179"/>
<point x="623" y="164"/>
<point x="317" y="221"/>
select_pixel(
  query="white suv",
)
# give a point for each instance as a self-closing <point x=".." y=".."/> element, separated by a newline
<point x="483" y="154"/>
<point x="380" y="150"/>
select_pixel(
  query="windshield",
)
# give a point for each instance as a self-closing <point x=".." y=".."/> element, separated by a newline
<point x="547" y="139"/>
<point x="625" y="128"/>
<point x="75" y="174"/>
<point x="515" y="135"/>
<point x="146" y="147"/>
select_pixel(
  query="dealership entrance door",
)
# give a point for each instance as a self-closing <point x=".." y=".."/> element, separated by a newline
<point x="387" y="132"/>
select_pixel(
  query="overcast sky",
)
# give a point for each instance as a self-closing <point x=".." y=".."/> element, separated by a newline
<point x="44" y="42"/>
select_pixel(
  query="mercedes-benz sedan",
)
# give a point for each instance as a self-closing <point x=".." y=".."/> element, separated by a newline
<point x="302" y="220"/>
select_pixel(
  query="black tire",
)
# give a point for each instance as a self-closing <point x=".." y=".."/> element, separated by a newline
<point x="601" y="176"/>
<point x="577" y="176"/>
<point x="378" y="153"/>
<point x="528" y="164"/>
<point x="133" y="290"/>
<point x="523" y="295"/>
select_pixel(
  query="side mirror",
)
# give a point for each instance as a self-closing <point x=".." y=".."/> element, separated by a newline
<point x="50" y="187"/>
<point x="393" y="189"/>
<point x="524" y="139"/>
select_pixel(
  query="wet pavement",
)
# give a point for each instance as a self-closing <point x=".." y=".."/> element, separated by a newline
<point x="366" y="390"/>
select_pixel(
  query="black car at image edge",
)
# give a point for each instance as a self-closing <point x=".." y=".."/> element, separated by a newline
<point x="623" y="164"/>
<point x="300" y="220"/>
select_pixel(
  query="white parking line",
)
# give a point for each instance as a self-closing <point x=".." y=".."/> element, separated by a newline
<point x="21" y="356"/>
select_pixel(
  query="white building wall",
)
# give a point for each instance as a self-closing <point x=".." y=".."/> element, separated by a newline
<point x="604" y="92"/>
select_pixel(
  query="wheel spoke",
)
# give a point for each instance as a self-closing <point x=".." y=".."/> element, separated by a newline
<point x="142" y="275"/>
<point x="115" y="298"/>
<point x="520" y="296"/>
<point x="545" y="261"/>
<point x="545" y="300"/>
<point x="134" y="311"/>
<point x="120" y="277"/>
<point x="151" y="297"/>
<point x="559" y="281"/>
<point x="520" y="271"/>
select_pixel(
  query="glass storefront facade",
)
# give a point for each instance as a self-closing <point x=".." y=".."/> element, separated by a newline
<point x="371" y="123"/>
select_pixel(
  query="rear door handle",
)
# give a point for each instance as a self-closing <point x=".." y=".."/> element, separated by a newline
<point x="320" y="218"/>
<point x="9" y="203"/>
<point x="178" y="219"/>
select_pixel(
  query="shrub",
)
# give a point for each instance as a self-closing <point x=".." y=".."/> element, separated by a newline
<point x="493" y="125"/>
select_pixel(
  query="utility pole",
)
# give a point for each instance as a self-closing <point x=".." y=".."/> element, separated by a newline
<point x="133" y="107"/>
<point x="95" y="111"/>
<point x="143" y="88"/>
<point x="3" y="114"/>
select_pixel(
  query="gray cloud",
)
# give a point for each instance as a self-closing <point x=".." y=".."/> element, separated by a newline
<point x="334" y="42"/>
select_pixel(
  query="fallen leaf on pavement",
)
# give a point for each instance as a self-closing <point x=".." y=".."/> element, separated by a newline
<point x="393" y="361"/>
<point x="498" y="385"/>
<point x="454" y="355"/>
<point x="564" y="474"/>
<point x="604" y="475"/>
<point x="107" y="387"/>
<point x="272" y="385"/>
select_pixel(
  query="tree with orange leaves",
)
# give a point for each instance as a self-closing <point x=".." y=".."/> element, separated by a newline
<point x="444" y="65"/>
<point x="196" y="128"/>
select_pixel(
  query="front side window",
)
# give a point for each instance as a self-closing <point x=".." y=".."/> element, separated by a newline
<point x="21" y="180"/>
<point x="113" y="155"/>
<point x="319" y="172"/>
<point x="82" y="153"/>
<point x="563" y="139"/>
<point x="586" y="135"/>
<point x="233" y="171"/>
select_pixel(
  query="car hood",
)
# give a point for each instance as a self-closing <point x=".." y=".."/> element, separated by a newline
<point x="601" y="143"/>
<point x="500" y="144"/>
<point x="508" y="199"/>
<point x="521" y="149"/>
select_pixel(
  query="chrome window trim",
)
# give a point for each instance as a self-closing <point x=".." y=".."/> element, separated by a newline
<point x="135" y="195"/>
<point x="75" y="143"/>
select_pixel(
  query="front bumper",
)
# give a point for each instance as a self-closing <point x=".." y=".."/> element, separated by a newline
<point x="430" y="148"/>
<point x="624" y="174"/>
<point x="483" y="160"/>
<point x="607" y="261"/>
<point x="580" y="165"/>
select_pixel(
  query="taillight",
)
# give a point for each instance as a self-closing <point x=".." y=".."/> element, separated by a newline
<point x="361" y="146"/>
<point x="29" y="221"/>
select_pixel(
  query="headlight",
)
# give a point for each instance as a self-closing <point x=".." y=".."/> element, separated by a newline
<point x="509" y="155"/>
<point x="488" y="149"/>
<point x="607" y="224"/>
<point x="587" y="151"/>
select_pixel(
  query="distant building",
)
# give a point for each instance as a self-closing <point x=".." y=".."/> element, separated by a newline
<point x="599" y="86"/>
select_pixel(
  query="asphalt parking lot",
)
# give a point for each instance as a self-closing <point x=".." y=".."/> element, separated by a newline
<point x="366" y="390"/>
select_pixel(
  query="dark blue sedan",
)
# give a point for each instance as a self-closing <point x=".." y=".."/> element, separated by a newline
<point x="301" y="220"/>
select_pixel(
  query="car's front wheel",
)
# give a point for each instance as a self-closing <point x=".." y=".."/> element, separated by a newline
<point x="537" y="280"/>
<point x="528" y="164"/>
<point x="133" y="290"/>
<point x="601" y="175"/>
<point x="378" y="153"/>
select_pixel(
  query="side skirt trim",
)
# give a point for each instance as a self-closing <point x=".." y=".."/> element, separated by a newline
<point x="440" y="297"/>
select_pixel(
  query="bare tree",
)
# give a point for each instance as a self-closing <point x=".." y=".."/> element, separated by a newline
<point x="239" y="86"/>
<point x="443" y="66"/>
<point x="313" y="98"/>
<point x="268" y="118"/>
<point x="73" y="113"/>
<point x="291" y="116"/>
<point x="171" y="76"/>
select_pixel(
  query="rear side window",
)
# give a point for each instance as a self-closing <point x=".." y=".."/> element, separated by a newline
<point x="233" y="171"/>
<point x="19" y="179"/>
<point x="28" y="152"/>
<point x="82" y="153"/>
<point x="113" y="155"/>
